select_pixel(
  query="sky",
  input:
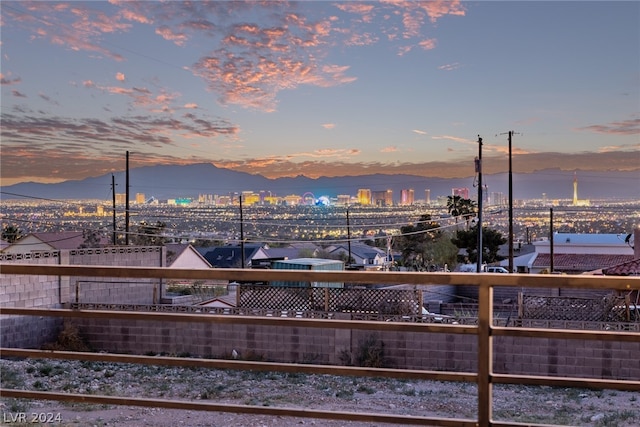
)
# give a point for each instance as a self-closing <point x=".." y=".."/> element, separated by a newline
<point x="318" y="88"/>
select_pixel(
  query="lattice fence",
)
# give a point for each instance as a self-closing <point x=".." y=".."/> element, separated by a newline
<point x="379" y="301"/>
<point x="575" y="309"/>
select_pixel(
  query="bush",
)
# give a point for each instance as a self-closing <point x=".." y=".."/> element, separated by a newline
<point x="369" y="354"/>
<point x="69" y="339"/>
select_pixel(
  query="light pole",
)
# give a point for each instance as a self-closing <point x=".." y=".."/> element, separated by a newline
<point x="479" y="172"/>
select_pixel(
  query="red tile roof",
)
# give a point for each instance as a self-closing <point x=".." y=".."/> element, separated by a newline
<point x="580" y="262"/>
<point x="631" y="268"/>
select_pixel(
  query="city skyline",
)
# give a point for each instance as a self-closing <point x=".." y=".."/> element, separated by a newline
<point x="318" y="88"/>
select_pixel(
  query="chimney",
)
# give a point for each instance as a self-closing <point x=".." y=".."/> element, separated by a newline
<point x="636" y="243"/>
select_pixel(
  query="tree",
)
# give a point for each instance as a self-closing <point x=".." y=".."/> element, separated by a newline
<point x="149" y="234"/>
<point x="417" y="243"/>
<point x="92" y="239"/>
<point x="491" y="241"/>
<point x="459" y="207"/>
<point x="11" y="233"/>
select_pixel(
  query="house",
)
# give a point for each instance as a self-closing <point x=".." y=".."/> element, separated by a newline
<point x="50" y="241"/>
<point x="315" y="264"/>
<point x="575" y="253"/>
<point x="231" y="256"/>
<point x="184" y="256"/>
<point x="630" y="268"/>
<point x="294" y="251"/>
<point x="362" y="255"/>
<point x="523" y="256"/>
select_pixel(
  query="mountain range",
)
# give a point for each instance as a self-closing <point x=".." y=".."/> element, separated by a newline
<point x="173" y="181"/>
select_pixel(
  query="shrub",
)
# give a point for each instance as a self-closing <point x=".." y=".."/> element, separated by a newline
<point x="69" y="339"/>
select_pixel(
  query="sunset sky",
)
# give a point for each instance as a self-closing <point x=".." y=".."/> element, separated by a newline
<point x="318" y="88"/>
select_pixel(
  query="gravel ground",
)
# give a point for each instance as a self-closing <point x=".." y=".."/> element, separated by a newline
<point x="548" y="405"/>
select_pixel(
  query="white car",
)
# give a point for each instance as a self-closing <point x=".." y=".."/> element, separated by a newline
<point x="495" y="270"/>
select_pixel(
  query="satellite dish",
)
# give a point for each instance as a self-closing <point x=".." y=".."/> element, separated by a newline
<point x="629" y="240"/>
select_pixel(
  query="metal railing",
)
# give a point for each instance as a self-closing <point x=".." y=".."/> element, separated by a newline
<point x="485" y="330"/>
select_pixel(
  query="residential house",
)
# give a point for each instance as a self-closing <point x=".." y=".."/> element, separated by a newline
<point x="231" y="256"/>
<point x="367" y="256"/>
<point x="575" y="253"/>
<point x="184" y="256"/>
<point x="49" y="241"/>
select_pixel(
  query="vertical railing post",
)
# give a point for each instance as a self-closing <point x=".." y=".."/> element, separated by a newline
<point x="485" y="353"/>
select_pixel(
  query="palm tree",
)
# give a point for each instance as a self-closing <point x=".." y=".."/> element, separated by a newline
<point x="459" y="207"/>
<point x="11" y="233"/>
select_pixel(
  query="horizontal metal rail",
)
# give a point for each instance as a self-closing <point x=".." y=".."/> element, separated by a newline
<point x="485" y="332"/>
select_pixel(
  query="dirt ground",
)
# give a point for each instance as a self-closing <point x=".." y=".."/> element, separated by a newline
<point x="562" y="406"/>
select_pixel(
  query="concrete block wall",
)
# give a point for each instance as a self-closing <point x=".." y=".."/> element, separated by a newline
<point x="29" y="292"/>
<point x="291" y="344"/>
<point x="429" y="351"/>
<point x="54" y="291"/>
<point x="105" y="290"/>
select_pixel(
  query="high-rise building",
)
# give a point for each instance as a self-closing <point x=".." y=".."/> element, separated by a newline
<point x="576" y="201"/>
<point x="497" y="198"/>
<point x="140" y="199"/>
<point x="427" y="196"/>
<point x="382" y="198"/>
<point x="292" y="200"/>
<point x="121" y="198"/>
<point x="462" y="192"/>
<point x="250" y="198"/>
<point x="364" y="196"/>
<point x="344" y="199"/>
<point x="406" y="197"/>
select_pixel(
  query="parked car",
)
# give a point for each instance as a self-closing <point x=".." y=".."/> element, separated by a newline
<point x="494" y="269"/>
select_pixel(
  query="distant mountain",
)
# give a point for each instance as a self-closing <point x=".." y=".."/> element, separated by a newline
<point x="165" y="182"/>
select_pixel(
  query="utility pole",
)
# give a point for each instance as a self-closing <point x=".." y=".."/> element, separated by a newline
<point x="113" y="192"/>
<point x="126" y="208"/>
<point x="241" y="233"/>
<point x="551" y="266"/>
<point x="479" y="172"/>
<point x="510" y="133"/>
<point x="348" y="238"/>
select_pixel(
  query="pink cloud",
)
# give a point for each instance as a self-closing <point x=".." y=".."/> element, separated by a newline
<point x="120" y="77"/>
<point x="428" y="44"/>
<point x="625" y="127"/>
<point x="329" y="126"/>
<point x="355" y="7"/>
<point x="166" y="33"/>
<point x="5" y="80"/>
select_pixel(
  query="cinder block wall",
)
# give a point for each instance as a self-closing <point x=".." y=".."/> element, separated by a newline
<point x="106" y="290"/>
<point x="410" y="350"/>
<point x="53" y="291"/>
<point x="29" y="292"/>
